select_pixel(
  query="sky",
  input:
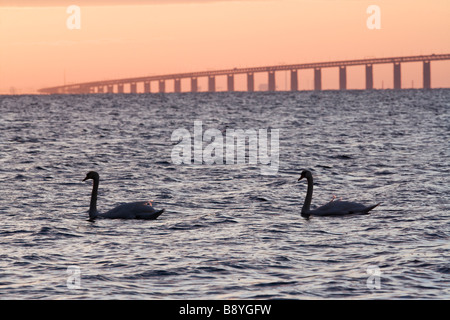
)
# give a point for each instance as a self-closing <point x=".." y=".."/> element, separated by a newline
<point x="120" y="39"/>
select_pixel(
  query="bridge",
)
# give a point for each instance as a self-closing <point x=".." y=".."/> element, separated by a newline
<point x="118" y="85"/>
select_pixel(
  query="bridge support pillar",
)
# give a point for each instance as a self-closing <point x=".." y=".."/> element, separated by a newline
<point x="369" y="77"/>
<point x="397" y="75"/>
<point x="162" y="86"/>
<point x="272" y="84"/>
<point x="120" y="88"/>
<point x="146" y="87"/>
<point x="100" y="89"/>
<point x="294" y="80"/>
<point x="426" y="75"/>
<point x="84" y="90"/>
<point x="177" y="85"/>
<point x="250" y="82"/>
<point x="317" y="79"/>
<point x="230" y="82"/>
<point x="133" y="87"/>
<point x="110" y="89"/>
<point x="211" y="84"/>
<point x="194" y="85"/>
<point x="342" y="78"/>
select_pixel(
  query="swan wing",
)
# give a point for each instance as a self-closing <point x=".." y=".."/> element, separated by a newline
<point x="339" y="208"/>
<point x="133" y="210"/>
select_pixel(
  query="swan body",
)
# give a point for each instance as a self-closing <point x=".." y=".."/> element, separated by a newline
<point x="133" y="210"/>
<point x="332" y="208"/>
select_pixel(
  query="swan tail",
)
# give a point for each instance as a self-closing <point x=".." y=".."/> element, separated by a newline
<point x="158" y="213"/>
<point x="152" y="216"/>
<point x="366" y="211"/>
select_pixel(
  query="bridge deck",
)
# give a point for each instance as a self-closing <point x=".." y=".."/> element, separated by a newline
<point x="317" y="65"/>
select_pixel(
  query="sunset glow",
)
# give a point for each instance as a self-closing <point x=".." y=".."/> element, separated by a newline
<point x="37" y="49"/>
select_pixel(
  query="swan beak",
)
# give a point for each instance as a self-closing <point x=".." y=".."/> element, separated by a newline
<point x="85" y="179"/>
<point x="301" y="177"/>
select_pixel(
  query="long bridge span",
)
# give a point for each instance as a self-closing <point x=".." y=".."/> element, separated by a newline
<point x="118" y="85"/>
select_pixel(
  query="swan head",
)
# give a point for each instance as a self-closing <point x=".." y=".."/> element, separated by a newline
<point x="91" y="175"/>
<point x="305" y="174"/>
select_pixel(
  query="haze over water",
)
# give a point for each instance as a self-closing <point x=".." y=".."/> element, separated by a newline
<point x="228" y="231"/>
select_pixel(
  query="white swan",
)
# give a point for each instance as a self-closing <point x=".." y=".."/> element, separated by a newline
<point x="332" y="208"/>
<point x="133" y="210"/>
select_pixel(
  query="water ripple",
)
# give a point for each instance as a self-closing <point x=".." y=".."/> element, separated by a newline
<point x="228" y="232"/>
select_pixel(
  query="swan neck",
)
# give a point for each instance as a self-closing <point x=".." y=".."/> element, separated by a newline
<point x="93" y="205"/>
<point x="309" y="193"/>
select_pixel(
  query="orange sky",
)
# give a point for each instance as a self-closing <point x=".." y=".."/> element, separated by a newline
<point x="38" y="50"/>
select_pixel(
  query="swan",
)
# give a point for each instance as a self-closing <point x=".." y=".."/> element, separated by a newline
<point x="332" y="208"/>
<point x="133" y="210"/>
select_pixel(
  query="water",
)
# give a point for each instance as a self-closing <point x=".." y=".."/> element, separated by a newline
<point x="228" y="232"/>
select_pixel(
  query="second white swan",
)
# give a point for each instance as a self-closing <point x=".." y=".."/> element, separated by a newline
<point x="332" y="208"/>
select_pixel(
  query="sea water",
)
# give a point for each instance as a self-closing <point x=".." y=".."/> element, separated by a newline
<point x="228" y="231"/>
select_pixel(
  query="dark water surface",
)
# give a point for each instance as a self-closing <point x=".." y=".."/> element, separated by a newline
<point x="228" y="232"/>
